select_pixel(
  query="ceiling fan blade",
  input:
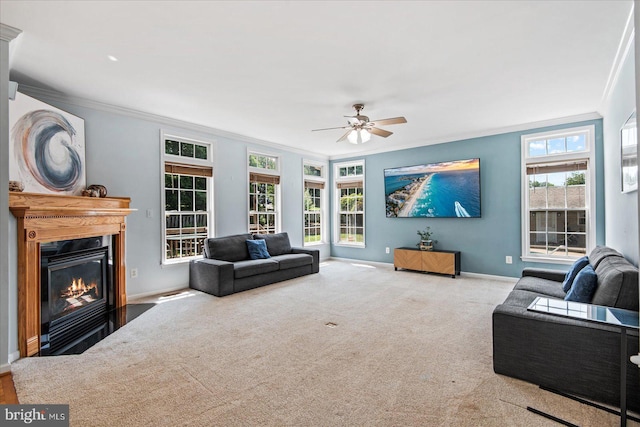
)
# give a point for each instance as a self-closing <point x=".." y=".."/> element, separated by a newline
<point x="343" y="137"/>
<point x="380" y="132"/>
<point x="393" y="121"/>
<point x="339" y="127"/>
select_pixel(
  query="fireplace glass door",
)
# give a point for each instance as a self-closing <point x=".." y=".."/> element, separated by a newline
<point x="76" y="291"/>
<point x="75" y="284"/>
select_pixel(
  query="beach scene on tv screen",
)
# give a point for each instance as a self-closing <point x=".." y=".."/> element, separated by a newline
<point x="446" y="189"/>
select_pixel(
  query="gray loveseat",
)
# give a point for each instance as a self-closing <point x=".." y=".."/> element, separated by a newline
<point x="226" y="267"/>
<point x="573" y="356"/>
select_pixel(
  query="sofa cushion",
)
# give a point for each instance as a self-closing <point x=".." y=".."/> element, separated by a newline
<point x="253" y="267"/>
<point x="257" y="249"/>
<point x="228" y="248"/>
<point x="617" y="284"/>
<point x="277" y="244"/>
<point x="578" y="265"/>
<point x="542" y="287"/>
<point x="584" y="286"/>
<point x="293" y="260"/>
<point x="601" y="252"/>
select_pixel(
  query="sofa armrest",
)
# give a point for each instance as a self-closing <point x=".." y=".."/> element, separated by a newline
<point x="574" y="356"/>
<point x="544" y="273"/>
<point x="314" y="253"/>
<point x="212" y="276"/>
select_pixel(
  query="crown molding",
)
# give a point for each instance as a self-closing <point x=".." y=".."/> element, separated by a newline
<point x="53" y="96"/>
<point x="624" y="47"/>
<point x="471" y="135"/>
<point x="50" y="95"/>
<point x="8" y="33"/>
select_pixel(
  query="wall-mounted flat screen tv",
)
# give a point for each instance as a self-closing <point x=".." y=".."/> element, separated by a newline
<point x="435" y="190"/>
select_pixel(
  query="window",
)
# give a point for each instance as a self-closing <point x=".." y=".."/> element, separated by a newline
<point x="313" y="202"/>
<point x="558" y="195"/>
<point x="349" y="185"/>
<point x="188" y="179"/>
<point x="264" y="188"/>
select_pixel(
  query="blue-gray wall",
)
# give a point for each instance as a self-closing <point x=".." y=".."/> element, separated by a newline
<point x="483" y="242"/>
<point x="123" y="153"/>
<point x="8" y="293"/>
<point x="621" y="223"/>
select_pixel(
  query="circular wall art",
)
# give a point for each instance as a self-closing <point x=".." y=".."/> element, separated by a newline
<point x="47" y="148"/>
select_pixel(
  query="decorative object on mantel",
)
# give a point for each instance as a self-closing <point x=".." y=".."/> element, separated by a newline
<point x="46" y="147"/>
<point x="90" y="192"/>
<point x="426" y="243"/>
<point x="16" y="186"/>
<point x="99" y="190"/>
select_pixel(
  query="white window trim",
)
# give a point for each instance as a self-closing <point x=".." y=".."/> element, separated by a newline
<point x="588" y="154"/>
<point x="324" y="199"/>
<point x="274" y="172"/>
<point x="191" y="161"/>
<point x="336" y="203"/>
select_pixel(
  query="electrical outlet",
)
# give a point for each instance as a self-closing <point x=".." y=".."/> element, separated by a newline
<point x="134" y="273"/>
<point x="387" y="250"/>
<point x="508" y="259"/>
<point x="149" y="213"/>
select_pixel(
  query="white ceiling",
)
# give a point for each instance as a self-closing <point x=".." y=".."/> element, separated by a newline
<point x="274" y="70"/>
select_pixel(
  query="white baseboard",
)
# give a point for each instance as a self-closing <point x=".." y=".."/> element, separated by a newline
<point x="14" y="356"/>
<point x="5" y="368"/>
<point x="490" y="277"/>
<point x="132" y="298"/>
<point x="462" y="273"/>
<point x="360" y="261"/>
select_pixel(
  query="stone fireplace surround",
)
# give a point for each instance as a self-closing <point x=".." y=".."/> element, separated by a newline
<point x="47" y="218"/>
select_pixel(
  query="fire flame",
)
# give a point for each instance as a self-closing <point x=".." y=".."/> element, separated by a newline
<point x="78" y="288"/>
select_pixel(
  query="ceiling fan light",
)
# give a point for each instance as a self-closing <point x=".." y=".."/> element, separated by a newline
<point x="359" y="136"/>
<point x="353" y="137"/>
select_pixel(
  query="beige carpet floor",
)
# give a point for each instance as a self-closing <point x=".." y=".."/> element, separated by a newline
<point x="355" y="345"/>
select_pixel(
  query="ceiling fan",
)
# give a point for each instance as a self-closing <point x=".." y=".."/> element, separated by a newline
<point x="361" y="128"/>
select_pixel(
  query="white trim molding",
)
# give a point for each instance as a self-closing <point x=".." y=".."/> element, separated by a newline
<point x="565" y="157"/>
<point x="337" y="179"/>
<point x="624" y="47"/>
<point x="8" y="33"/>
<point x="476" y="134"/>
<point x="50" y="95"/>
<point x="324" y="200"/>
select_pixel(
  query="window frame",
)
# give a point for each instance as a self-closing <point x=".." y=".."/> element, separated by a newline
<point x="189" y="161"/>
<point x="322" y="179"/>
<point x="277" y="193"/>
<point x="337" y="179"/>
<point x="588" y="155"/>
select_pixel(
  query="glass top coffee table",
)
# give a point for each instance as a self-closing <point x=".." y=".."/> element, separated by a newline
<point x="579" y="310"/>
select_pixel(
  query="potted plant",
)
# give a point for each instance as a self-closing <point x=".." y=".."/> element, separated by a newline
<point x="426" y="243"/>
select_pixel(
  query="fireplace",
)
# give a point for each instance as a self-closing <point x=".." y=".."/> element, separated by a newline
<point x="45" y="218"/>
<point x="76" y="292"/>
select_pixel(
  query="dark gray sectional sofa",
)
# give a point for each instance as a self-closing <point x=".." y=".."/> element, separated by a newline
<point x="569" y="355"/>
<point x="226" y="267"/>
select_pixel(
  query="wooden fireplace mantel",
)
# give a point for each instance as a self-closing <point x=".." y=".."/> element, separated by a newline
<point x="48" y="218"/>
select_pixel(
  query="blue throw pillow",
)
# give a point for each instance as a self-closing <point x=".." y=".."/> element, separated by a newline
<point x="573" y="272"/>
<point x="584" y="286"/>
<point x="258" y="249"/>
